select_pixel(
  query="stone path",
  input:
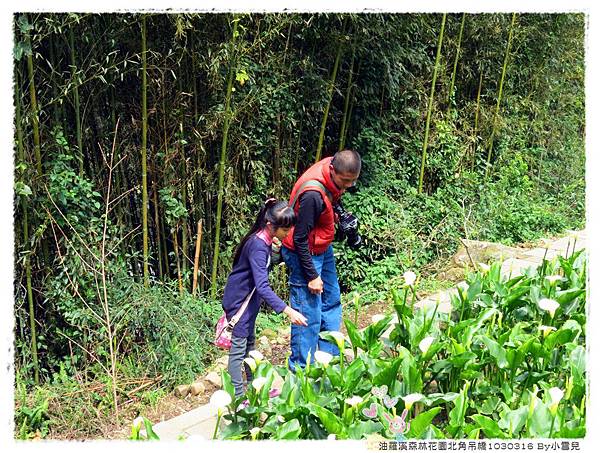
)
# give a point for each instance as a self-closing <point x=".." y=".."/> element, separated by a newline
<point x="202" y="420"/>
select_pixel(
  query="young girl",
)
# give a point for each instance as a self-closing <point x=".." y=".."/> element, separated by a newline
<point x="249" y="271"/>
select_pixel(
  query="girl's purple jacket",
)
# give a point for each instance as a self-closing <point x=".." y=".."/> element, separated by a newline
<point x="249" y="272"/>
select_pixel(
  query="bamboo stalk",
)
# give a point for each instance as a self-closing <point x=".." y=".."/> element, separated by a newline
<point x="144" y="144"/>
<point x="349" y="120"/>
<point x="35" y="122"/>
<point x="222" y="160"/>
<point x="157" y="222"/>
<point x="176" y="247"/>
<point x="499" y="99"/>
<point x="197" y="256"/>
<point x="27" y="262"/>
<point x="435" y="69"/>
<point x="347" y="103"/>
<point x="298" y="146"/>
<point x="330" y="97"/>
<point x="462" y="26"/>
<point x="477" y="118"/>
<point x="76" y="101"/>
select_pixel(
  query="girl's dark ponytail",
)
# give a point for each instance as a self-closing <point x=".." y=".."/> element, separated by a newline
<point x="278" y="213"/>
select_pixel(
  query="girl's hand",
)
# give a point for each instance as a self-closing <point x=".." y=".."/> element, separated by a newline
<point x="295" y="316"/>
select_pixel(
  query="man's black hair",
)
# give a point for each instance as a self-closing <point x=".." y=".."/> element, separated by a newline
<point x="346" y="161"/>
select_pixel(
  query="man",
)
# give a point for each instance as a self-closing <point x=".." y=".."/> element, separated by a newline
<point x="307" y="251"/>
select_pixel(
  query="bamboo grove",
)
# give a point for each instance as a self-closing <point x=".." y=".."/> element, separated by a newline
<point x="145" y="144"/>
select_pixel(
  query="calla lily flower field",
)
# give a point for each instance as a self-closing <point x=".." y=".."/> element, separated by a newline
<point x="507" y="362"/>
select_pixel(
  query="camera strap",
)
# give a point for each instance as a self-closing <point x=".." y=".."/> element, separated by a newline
<point x="311" y="183"/>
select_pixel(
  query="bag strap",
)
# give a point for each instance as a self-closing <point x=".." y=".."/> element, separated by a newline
<point x="311" y="183"/>
<point x="241" y="311"/>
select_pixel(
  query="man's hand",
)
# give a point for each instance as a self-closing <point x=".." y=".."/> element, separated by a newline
<point x="295" y="316"/>
<point x="316" y="286"/>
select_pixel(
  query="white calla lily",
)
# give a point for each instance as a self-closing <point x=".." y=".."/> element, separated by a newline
<point x="219" y="400"/>
<point x="556" y="395"/>
<point x="254" y="432"/>
<point x="339" y="338"/>
<point x="552" y="279"/>
<point x="251" y="363"/>
<point x="484" y="267"/>
<point x="425" y="343"/>
<point x="409" y="278"/>
<point x="546" y="330"/>
<point x="258" y="383"/>
<point x="463" y="286"/>
<point x="323" y="358"/>
<point x="138" y="423"/>
<point x="354" y="401"/>
<point x="549" y="305"/>
<point x="257" y="356"/>
<point x="411" y="399"/>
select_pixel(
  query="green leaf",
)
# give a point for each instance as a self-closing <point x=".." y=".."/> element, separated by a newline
<point x="353" y="373"/>
<point x="360" y="429"/>
<point x="513" y="420"/>
<point x="388" y="374"/>
<point x="564" y="297"/>
<point x="227" y="385"/>
<point x="234" y="431"/>
<point x="577" y="364"/>
<point x="457" y="414"/>
<point x="332" y="423"/>
<point x="419" y="424"/>
<point x="489" y="426"/>
<point x="489" y="405"/>
<point x="149" y="431"/>
<point x="355" y="336"/>
<point x="289" y="430"/>
<point x="540" y="421"/>
<point x="475" y="326"/>
<point x="22" y="189"/>
<point x="495" y="350"/>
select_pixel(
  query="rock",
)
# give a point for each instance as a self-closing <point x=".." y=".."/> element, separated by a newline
<point x="181" y="391"/>
<point x="214" y="379"/>
<point x="282" y="340"/>
<point x="264" y="346"/>
<point x="224" y="360"/>
<point x="482" y="252"/>
<point x="197" y="388"/>
<point x="452" y="274"/>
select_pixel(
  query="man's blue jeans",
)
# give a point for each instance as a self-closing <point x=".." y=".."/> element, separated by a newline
<point x="322" y="311"/>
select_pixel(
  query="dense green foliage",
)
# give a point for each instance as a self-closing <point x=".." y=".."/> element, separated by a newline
<point x="503" y="364"/>
<point x="79" y="248"/>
